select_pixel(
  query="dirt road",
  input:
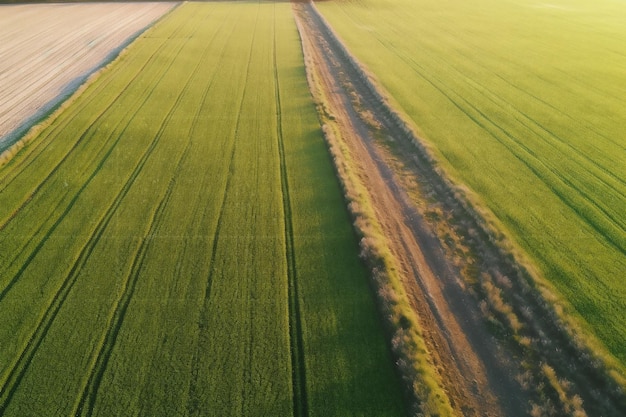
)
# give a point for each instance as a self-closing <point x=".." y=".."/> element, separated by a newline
<point x="48" y="50"/>
<point x="497" y="346"/>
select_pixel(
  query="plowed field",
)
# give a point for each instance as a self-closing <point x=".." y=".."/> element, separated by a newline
<point x="46" y="51"/>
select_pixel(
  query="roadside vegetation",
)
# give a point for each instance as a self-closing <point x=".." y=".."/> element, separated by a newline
<point x="522" y="102"/>
<point x="415" y="364"/>
<point x="174" y="240"/>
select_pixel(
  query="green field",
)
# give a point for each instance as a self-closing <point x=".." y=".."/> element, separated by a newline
<point x="522" y="101"/>
<point x="175" y="242"/>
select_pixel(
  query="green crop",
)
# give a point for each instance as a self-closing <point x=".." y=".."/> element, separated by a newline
<point x="175" y="242"/>
<point x="522" y="102"/>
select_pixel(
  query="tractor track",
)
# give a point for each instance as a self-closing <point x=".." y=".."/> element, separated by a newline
<point x="298" y="365"/>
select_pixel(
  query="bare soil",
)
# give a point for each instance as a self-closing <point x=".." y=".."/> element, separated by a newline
<point x="494" y="339"/>
<point x="48" y="50"/>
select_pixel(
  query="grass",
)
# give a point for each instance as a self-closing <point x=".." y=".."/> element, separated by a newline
<point x="174" y="241"/>
<point x="522" y="102"/>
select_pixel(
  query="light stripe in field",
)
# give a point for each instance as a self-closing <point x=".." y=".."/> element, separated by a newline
<point x="194" y="390"/>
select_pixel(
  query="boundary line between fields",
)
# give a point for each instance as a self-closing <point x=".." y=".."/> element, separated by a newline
<point x="298" y="365"/>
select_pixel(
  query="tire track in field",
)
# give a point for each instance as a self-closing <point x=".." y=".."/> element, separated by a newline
<point x="86" y="403"/>
<point x="204" y="336"/>
<point x="192" y="402"/>
<point x="27" y="162"/>
<point x="88" y="397"/>
<point x="607" y="225"/>
<point x="246" y="376"/>
<point x="37" y="248"/>
<point x="298" y="364"/>
<point x="19" y="369"/>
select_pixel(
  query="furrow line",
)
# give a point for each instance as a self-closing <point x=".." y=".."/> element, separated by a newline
<point x="298" y="364"/>
<point x="192" y="395"/>
<point x="203" y="336"/>
<point x="32" y="255"/>
<point x="248" y="348"/>
<point x="88" y="398"/>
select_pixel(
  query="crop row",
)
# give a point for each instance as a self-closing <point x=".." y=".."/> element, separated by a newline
<point x="174" y="242"/>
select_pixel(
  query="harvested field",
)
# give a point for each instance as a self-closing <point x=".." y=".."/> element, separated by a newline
<point x="48" y="50"/>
